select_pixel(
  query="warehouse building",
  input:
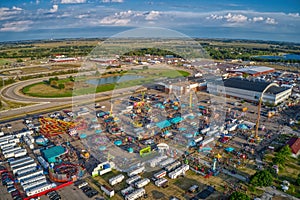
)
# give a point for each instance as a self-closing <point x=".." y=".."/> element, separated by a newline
<point x="252" y="70"/>
<point x="249" y="90"/>
<point x="52" y="154"/>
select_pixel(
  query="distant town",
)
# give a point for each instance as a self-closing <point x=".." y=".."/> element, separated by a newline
<point x="79" y="123"/>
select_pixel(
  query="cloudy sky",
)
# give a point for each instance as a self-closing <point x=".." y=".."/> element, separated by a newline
<point x="243" y="19"/>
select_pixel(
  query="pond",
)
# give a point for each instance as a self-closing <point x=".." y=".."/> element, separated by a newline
<point x="284" y="57"/>
<point x="113" y="79"/>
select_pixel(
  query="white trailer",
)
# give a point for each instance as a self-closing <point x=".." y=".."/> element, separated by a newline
<point x="207" y="141"/>
<point x="166" y="162"/>
<point x="104" y="171"/>
<point x="8" y="145"/>
<point x="43" y="162"/>
<point x="127" y="191"/>
<point x="19" y="160"/>
<point x="179" y="171"/>
<point x="27" y="161"/>
<point x="6" y="137"/>
<point x="198" y="139"/>
<point x="21" y="153"/>
<point x="34" y="184"/>
<point x="38" y="189"/>
<point x="1" y="133"/>
<point x="25" y="170"/>
<point x="133" y="179"/>
<point x="205" y="130"/>
<point x="117" y="179"/>
<point x="30" y="138"/>
<point x="160" y="174"/>
<point x="109" y="191"/>
<point x="20" y="134"/>
<point x="136" y="171"/>
<point x="32" y="179"/>
<point x="142" y="183"/>
<point x="30" y="174"/>
<point x="11" y="150"/>
<point x="154" y="162"/>
<point x="135" y="194"/>
<point x="161" y="182"/>
<point x="172" y="166"/>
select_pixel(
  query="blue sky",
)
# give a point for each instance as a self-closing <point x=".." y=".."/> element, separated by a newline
<point x="44" y="19"/>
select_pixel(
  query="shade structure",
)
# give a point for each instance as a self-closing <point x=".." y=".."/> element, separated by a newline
<point x="118" y="142"/>
<point x="98" y="131"/>
<point x="176" y="120"/>
<point x="102" y="148"/>
<point x="163" y="124"/>
<point x="188" y="135"/>
<point x="243" y="127"/>
<point x="130" y="150"/>
<point x="182" y="129"/>
<point x="229" y="149"/>
<point x="191" y="116"/>
<point x="201" y="107"/>
<point x="83" y="135"/>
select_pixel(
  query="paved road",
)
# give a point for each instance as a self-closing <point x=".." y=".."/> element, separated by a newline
<point x="270" y="192"/>
<point x="12" y="93"/>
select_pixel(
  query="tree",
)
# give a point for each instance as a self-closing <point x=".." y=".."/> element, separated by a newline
<point x="145" y="67"/>
<point x="239" y="196"/>
<point x="298" y="180"/>
<point x="281" y="157"/>
<point x="53" y="83"/>
<point x="61" y="86"/>
<point x="262" y="178"/>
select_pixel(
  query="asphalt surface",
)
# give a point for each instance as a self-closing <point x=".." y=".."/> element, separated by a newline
<point x="12" y="93"/>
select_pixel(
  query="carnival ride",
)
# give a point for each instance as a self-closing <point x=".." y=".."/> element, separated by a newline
<point x="51" y="127"/>
<point x="66" y="172"/>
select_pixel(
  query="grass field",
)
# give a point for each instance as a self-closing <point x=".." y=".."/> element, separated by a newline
<point x="80" y="87"/>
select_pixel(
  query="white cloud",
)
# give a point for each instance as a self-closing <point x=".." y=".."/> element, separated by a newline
<point x="16" y="26"/>
<point x="54" y="9"/>
<point x="257" y="19"/>
<point x="7" y="13"/>
<point x="152" y="15"/>
<point x="72" y="1"/>
<point x="112" y="1"/>
<point x="16" y="8"/>
<point x="229" y="17"/>
<point x="293" y="14"/>
<point x="271" y="21"/>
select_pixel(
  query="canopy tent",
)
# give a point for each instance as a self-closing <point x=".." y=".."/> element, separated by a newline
<point x="163" y="124"/>
<point x="229" y="149"/>
<point x="243" y="127"/>
<point x="130" y="150"/>
<point x="182" y="129"/>
<point x="176" y="120"/>
<point x="83" y="135"/>
<point x="98" y="131"/>
<point x="188" y="135"/>
<point x="102" y="148"/>
<point x="118" y="142"/>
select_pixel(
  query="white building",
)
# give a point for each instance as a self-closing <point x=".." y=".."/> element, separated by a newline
<point x="249" y="90"/>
